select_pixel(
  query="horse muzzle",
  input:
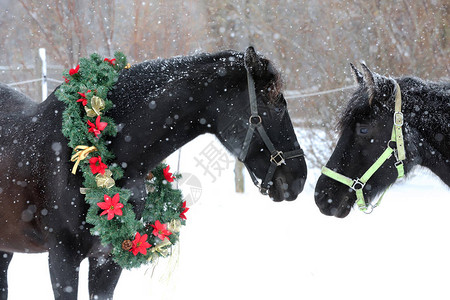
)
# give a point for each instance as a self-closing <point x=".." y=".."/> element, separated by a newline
<point x="282" y="190"/>
<point x="330" y="200"/>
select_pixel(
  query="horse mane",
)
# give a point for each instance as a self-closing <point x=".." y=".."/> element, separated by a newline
<point x="430" y="99"/>
<point x="164" y="74"/>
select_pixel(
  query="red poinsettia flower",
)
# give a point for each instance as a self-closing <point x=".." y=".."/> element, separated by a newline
<point x="140" y="244"/>
<point x="98" y="127"/>
<point x="160" y="230"/>
<point x="111" y="206"/>
<point x="167" y="175"/>
<point x="83" y="94"/>
<point x="185" y="209"/>
<point x="74" y="71"/>
<point x="97" y="166"/>
<point x="83" y="100"/>
<point x="111" y="61"/>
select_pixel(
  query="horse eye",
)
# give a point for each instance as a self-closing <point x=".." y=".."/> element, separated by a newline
<point x="364" y="130"/>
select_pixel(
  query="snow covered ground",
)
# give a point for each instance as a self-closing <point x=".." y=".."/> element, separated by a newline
<point x="244" y="246"/>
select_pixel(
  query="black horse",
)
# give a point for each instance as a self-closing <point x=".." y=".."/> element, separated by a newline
<point x="367" y="132"/>
<point x="159" y="106"/>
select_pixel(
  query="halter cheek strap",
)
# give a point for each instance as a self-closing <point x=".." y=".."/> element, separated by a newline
<point x="277" y="158"/>
<point x="398" y="150"/>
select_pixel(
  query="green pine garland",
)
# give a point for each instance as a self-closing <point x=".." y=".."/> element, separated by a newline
<point x="86" y="86"/>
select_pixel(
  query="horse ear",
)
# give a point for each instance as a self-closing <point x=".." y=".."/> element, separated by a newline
<point x="369" y="81"/>
<point x="253" y="62"/>
<point x="357" y="75"/>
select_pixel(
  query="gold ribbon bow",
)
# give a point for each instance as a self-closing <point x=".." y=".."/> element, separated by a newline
<point x="81" y="152"/>
<point x="105" y="181"/>
<point x="174" y="225"/>
<point x="162" y="248"/>
<point x="98" y="104"/>
<point x="84" y="191"/>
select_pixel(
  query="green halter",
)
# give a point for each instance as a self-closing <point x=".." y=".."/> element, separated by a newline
<point x="399" y="151"/>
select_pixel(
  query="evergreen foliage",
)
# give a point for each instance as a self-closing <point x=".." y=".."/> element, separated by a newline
<point x="95" y="77"/>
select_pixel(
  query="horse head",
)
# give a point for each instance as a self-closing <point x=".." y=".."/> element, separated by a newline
<point x="351" y="174"/>
<point x="258" y="130"/>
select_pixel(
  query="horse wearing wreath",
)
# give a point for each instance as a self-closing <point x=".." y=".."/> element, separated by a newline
<point x="109" y="125"/>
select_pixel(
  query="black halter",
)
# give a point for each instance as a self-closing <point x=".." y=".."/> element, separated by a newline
<point x="277" y="158"/>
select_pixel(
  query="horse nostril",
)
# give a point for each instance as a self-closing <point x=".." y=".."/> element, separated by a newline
<point x="279" y="190"/>
<point x="296" y="186"/>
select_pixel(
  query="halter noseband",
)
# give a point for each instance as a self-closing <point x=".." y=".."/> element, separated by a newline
<point x="399" y="152"/>
<point x="277" y="158"/>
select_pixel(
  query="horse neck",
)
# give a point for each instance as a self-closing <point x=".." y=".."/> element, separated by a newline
<point x="426" y="130"/>
<point x="157" y="116"/>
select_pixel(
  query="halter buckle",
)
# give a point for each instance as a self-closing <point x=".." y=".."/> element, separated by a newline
<point x="277" y="158"/>
<point x="367" y="211"/>
<point x="398" y="163"/>
<point x="357" y="185"/>
<point x="398" y="118"/>
<point x="264" y="191"/>
<point x="392" y="144"/>
<point x="396" y="155"/>
<point x="257" y="119"/>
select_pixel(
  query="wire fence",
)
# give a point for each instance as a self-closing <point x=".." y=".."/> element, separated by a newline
<point x="290" y="94"/>
<point x="299" y="94"/>
<point x="33" y="80"/>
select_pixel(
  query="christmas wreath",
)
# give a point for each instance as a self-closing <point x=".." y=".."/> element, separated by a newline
<point x="86" y="126"/>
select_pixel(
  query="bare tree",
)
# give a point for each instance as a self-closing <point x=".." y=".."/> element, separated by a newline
<point x="312" y="42"/>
